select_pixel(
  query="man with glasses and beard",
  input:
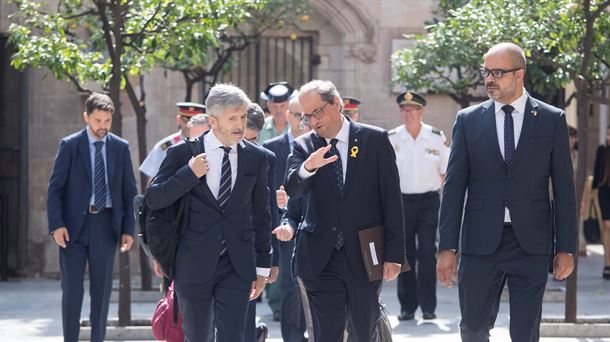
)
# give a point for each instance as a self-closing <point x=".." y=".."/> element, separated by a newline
<point x="349" y="172"/>
<point x="504" y="153"/>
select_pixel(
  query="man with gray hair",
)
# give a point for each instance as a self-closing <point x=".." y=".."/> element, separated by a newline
<point x="349" y="173"/>
<point x="197" y="125"/>
<point x="224" y="257"/>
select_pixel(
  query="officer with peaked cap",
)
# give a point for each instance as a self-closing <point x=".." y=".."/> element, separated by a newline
<point x="277" y="95"/>
<point x="351" y="108"/>
<point x="421" y="155"/>
<point x="186" y="110"/>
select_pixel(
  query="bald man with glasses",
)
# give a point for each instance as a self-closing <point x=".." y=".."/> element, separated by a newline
<point x="505" y="152"/>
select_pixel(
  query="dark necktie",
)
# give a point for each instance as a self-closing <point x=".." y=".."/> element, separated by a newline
<point x="224" y="191"/>
<point x="99" y="178"/>
<point x="338" y="168"/>
<point x="509" y="134"/>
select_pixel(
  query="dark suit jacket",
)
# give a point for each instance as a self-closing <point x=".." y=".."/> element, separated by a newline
<point x="245" y="224"/>
<point x="275" y="219"/>
<point x="280" y="145"/>
<point x="70" y="186"/>
<point x="600" y="167"/>
<point x="372" y="196"/>
<point x="476" y="167"/>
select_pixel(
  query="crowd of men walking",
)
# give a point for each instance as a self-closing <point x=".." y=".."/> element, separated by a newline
<point x="281" y="199"/>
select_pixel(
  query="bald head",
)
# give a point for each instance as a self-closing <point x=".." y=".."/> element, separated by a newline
<point x="512" y="51"/>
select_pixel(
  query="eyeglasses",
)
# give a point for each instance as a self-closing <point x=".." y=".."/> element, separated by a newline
<point x="317" y="113"/>
<point x="496" y="73"/>
<point x="296" y="114"/>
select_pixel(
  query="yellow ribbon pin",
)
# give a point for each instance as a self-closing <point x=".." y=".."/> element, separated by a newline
<point x="354" y="151"/>
<point x="534" y="112"/>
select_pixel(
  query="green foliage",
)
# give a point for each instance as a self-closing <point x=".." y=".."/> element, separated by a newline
<point x="76" y="39"/>
<point x="551" y="32"/>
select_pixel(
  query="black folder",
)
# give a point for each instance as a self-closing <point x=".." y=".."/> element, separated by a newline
<point x="371" y="247"/>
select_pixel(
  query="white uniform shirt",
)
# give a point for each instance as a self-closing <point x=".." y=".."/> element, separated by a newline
<point x="517" y="114"/>
<point x="150" y="166"/>
<point x="421" y="161"/>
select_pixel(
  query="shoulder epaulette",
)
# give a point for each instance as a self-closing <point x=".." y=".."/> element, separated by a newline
<point x="166" y="144"/>
<point x="437" y="131"/>
<point x="392" y="131"/>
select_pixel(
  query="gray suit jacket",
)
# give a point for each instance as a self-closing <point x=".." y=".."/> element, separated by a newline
<point x="476" y="169"/>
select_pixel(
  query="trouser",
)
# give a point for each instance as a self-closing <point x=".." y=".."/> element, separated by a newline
<point x="482" y="279"/>
<point x="418" y="287"/>
<point x="96" y="245"/>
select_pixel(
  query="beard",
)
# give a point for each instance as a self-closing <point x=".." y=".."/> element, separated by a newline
<point x="100" y="133"/>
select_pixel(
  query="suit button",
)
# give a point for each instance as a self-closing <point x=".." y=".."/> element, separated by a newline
<point x="219" y="237"/>
<point x="334" y="229"/>
<point x="85" y="212"/>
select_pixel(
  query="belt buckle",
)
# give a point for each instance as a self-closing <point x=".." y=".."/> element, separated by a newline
<point x="93" y="210"/>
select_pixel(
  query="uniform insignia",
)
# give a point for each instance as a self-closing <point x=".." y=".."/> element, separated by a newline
<point x="432" y="151"/>
<point x="396" y="147"/>
<point x="437" y="131"/>
<point x="446" y="143"/>
<point x="392" y="131"/>
<point x="408" y="96"/>
<point x="166" y="145"/>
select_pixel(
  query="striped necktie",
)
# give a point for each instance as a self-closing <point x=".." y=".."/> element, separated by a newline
<point x="99" y="179"/>
<point x="224" y="191"/>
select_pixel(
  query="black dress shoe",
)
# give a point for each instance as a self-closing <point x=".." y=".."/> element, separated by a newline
<point x="406" y="316"/>
<point x="261" y="332"/>
<point x="429" y="315"/>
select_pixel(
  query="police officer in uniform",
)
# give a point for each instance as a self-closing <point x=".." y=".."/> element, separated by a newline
<point x="186" y="110"/>
<point x="351" y="108"/>
<point x="422" y="155"/>
<point x="277" y="95"/>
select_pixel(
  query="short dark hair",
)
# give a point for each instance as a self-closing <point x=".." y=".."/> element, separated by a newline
<point x="256" y="117"/>
<point x="99" y="101"/>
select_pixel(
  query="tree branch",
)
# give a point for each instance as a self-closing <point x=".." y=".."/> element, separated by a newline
<point x="600" y="9"/>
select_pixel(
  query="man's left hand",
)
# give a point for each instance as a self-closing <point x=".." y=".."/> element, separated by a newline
<point x="563" y="265"/>
<point x="126" y="242"/>
<point x="275" y="271"/>
<point x="390" y="271"/>
<point x="257" y="287"/>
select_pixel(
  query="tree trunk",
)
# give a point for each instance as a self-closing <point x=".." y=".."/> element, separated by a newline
<point x="581" y="175"/>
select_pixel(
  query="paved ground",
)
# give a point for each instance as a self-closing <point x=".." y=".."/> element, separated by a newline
<point x="30" y="309"/>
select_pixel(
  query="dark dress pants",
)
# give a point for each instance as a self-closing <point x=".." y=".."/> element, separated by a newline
<point x="220" y="302"/>
<point x="250" y="327"/>
<point x="97" y="246"/>
<point x="418" y="288"/>
<point x="338" y="294"/>
<point x="293" y="318"/>
<point x="481" y="280"/>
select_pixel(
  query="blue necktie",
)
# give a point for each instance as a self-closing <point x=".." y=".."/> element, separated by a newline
<point x="338" y="168"/>
<point x="509" y="134"/>
<point x="224" y="191"/>
<point x="99" y="178"/>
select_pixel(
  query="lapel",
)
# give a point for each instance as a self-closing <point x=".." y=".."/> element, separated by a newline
<point x="529" y="120"/>
<point x="242" y="160"/>
<point x="489" y="114"/>
<point x="285" y="146"/>
<point x="111" y="150"/>
<point x="355" y="143"/>
<point x="83" y="150"/>
<point x="204" y="184"/>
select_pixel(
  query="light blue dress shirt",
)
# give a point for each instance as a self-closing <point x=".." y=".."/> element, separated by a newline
<point x="93" y="139"/>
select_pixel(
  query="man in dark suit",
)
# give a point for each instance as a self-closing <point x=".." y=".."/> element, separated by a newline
<point x="349" y="172"/>
<point x="89" y="207"/>
<point x="292" y="323"/>
<point x="504" y="152"/>
<point x="224" y="256"/>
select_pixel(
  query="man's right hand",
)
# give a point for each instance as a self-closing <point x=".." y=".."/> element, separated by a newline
<point x="446" y="267"/>
<point x="157" y="269"/>
<point x="281" y="197"/>
<point x="199" y="165"/>
<point x="61" y="236"/>
<point x="316" y="160"/>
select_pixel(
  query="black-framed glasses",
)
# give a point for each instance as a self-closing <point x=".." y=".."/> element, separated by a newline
<point x="317" y="113"/>
<point x="496" y="73"/>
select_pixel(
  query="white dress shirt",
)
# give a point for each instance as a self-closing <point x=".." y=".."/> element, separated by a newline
<point x="214" y="155"/>
<point x="517" y="114"/>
